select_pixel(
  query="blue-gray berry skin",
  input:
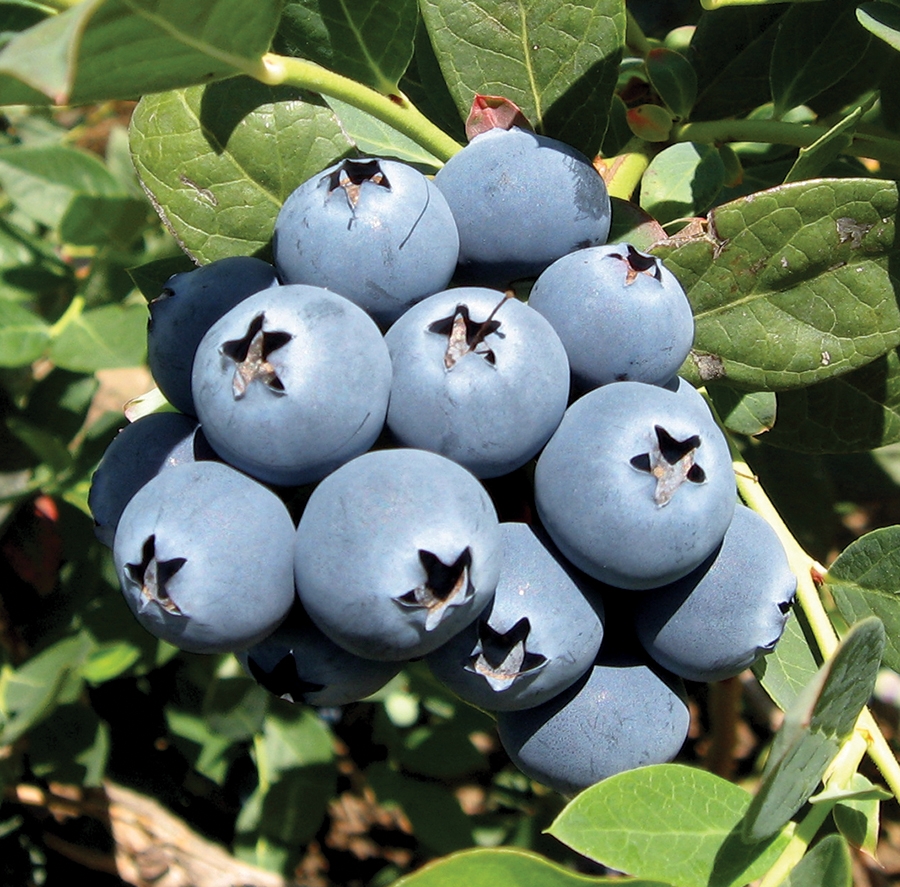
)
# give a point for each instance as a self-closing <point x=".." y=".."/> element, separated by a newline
<point x="636" y="486"/>
<point x="478" y="378"/>
<point x="621" y="715"/>
<point x="138" y="453"/>
<point x="190" y="303"/>
<point x="620" y="314"/>
<point x="521" y="201"/>
<point x="397" y="551"/>
<point x="292" y="383"/>
<point x="376" y="231"/>
<point x="726" y="614"/>
<point x="540" y="633"/>
<point x="298" y="663"/>
<point x="203" y="555"/>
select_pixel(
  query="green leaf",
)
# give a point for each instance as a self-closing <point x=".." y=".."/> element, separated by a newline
<point x="204" y="748"/>
<point x="744" y="412"/>
<point x="437" y="819"/>
<point x="151" y="277"/>
<point x="23" y="335"/>
<point x="630" y="224"/>
<point x="667" y="822"/>
<point x="236" y="707"/>
<point x="730" y="51"/>
<point x="826" y="865"/>
<point x="110" y="336"/>
<point x="219" y="161"/>
<point x="377" y="139"/>
<point x="681" y="181"/>
<point x="110" y="661"/>
<point x="294" y="737"/>
<point x="865" y="581"/>
<point x="857" y="818"/>
<point x="674" y="79"/>
<point x="44" y="444"/>
<point x="812" y="161"/>
<point x="442" y="751"/>
<point x="882" y="19"/>
<point x="814" y="729"/>
<point x="277" y="818"/>
<point x="785" y="671"/>
<point x="505" y="867"/>
<point x="853" y="413"/>
<point x="816" y="45"/>
<point x="31" y="692"/>
<point x="115" y="49"/>
<point x="43" y="181"/>
<point x="71" y="747"/>
<point x="793" y="285"/>
<point x="370" y="42"/>
<point x="557" y="62"/>
<point x="104" y="221"/>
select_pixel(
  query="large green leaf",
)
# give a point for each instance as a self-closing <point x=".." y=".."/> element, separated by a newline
<point x="101" y="338"/>
<point x="681" y="181"/>
<point x="23" y="335"/>
<point x="219" y="161"/>
<point x="730" y="51"/>
<point x="785" y="671"/>
<point x="816" y="45"/>
<point x="557" y="61"/>
<point x="793" y="285"/>
<point x="505" y="867"/>
<point x="853" y="413"/>
<point x="667" y="822"/>
<point x="106" y="49"/>
<point x="814" y="728"/>
<point x="865" y="581"/>
<point x="826" y="865"/>
<point x="371" y="41"/>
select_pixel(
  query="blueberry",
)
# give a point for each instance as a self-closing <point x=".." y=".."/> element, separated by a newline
<point x="291" y="383"/>
<point x="521" y="201"/>
<point x="620" y="314"/>
<point x="636" y="486"/>
<point x="188" y="306"/>
<point x="396" y="551"/>
<point x="298" y="663"/>
<point x="138" y="453"/>
<point x="479" y="379"/>
<point x="621" y="715"/>
<point x="375" y="231"/>
<point x="540" y="633"/>
<point x="203" y="555"/>
<point x="721" y="617"/>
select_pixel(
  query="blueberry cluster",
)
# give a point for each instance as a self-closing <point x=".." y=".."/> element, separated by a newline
<point x="383" y="367"/>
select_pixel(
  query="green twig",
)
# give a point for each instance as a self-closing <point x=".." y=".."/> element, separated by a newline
<point x="624" y="171"/>
<point x="776" y="132"/>
<point x="394" y="110"/>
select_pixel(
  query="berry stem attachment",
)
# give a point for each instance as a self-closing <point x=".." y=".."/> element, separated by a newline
<point x="395" y="110"/>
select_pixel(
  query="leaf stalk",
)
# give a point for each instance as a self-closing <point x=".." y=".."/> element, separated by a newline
<point x="395" y="110"/>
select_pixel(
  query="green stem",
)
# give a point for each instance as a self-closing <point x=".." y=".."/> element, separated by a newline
<point x="634" y="36"/>
<point x="394" y="110"/>
<point x="804" y="568"/>
<point x="624" y="171"/>
<point x="75" y="309"/>
<point x="840" y="773"/>
<point x="800" y="135"/>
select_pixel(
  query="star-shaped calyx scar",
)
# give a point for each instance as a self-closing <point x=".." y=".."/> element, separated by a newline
<point x="671" y="462"/>
<point x="283" y="679"/>
<point x="636" y="263"/>
<point x="152" y="577"/>
<point x="445" y="586"/>
<point x="351" y="175"/>
<point x="465" y="335"/>
<point x="501" y="657"/>
<point x="251" y="354"/>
